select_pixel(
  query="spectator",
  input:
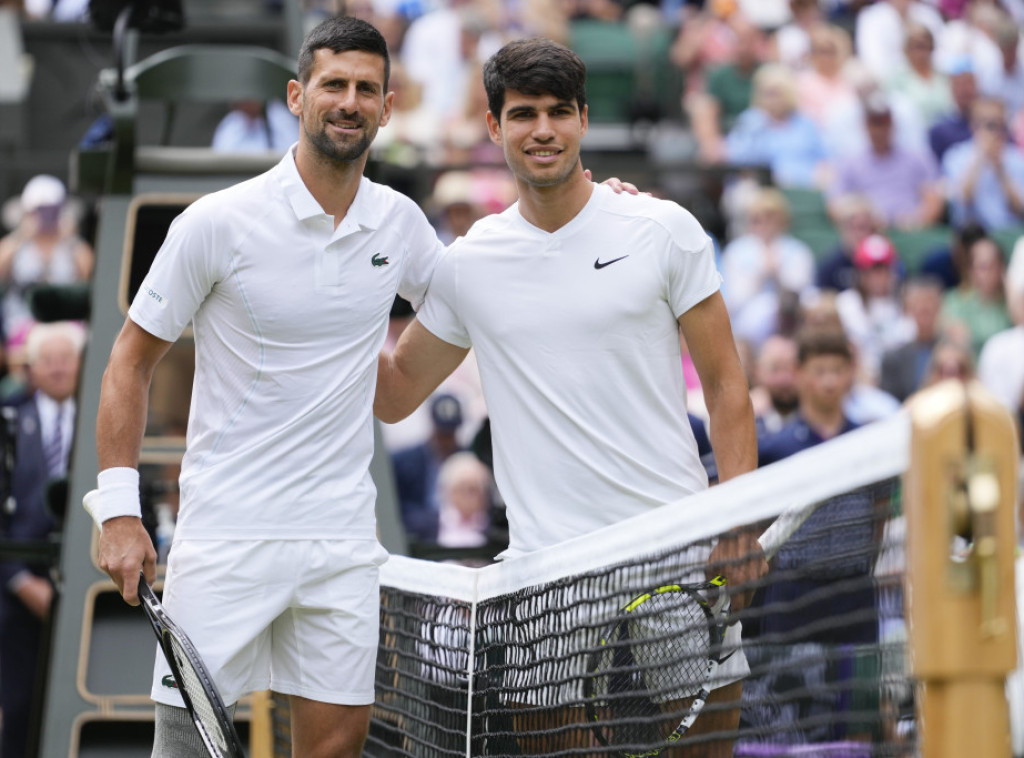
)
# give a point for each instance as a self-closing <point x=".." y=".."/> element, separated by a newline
<point x="977" y="311"/>
<point x="413" y="134"/>
<point x="792" y="41"/>
<point x="765" y="271"/>
<point x="774" y="392"/>
<point x="455" y="205"/>
<point x="844" y="132"/>
<point x="842" y="527"/>
<point x="256" y="126"/>
<point x="986" y="173"/>
<point x="466" y="495"/>
<point x="904" y="367"/>
<point x="917" y="79"/>
<point x="1006" y="81"/>
<point x="773" y="133"/>
<point x="856" y="221"/>
<point x="870" y="311"/>
<point x="441" y="50"/>
<point x="45" y="425"/>
<point x="949" y="360"/>
<point x="956" y="127"/>
<point x="707" y="37"/>
<point x="416" y="470"/>
<point x="950" y="263"/>
<point x="973" y="37"/>
<point x="903" y="186"/>
<point x="1001" y="363"/>
<point x="44" y="249"/>
<point x="823" y="87"/>
<point x="880" y="32"/>
<point x="727" y="93"/>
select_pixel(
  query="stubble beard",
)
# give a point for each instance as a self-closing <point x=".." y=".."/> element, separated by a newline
<point x="542" y="177"/>
<point x="340" y="152"/>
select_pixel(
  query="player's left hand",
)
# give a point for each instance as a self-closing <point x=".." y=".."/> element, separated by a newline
<point x="739" y="558"/>
<point x="617" y="185"/>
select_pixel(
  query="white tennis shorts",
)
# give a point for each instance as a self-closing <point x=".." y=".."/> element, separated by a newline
<point x="300" y="617"/>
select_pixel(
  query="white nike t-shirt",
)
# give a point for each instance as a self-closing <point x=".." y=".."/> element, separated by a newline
<point x="576" y="337"/>
<point x="289" y="316"/>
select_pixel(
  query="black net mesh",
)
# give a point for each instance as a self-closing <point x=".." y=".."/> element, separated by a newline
<point x="607" y="647"/>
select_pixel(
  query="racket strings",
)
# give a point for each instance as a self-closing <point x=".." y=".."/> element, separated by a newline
<point x="654" y="660"/>
<point x="205" y="711"/>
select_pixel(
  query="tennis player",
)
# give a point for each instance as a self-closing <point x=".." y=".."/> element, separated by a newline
<point x="287" y="279"/>
<point x="574" y="300"/>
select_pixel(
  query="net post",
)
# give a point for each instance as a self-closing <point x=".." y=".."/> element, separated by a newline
<point x="959" y="497"/>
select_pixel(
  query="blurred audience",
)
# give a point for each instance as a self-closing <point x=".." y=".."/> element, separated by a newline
<point x="765" y="270"/>
<point x="773" y="393"/>
<point x="917" y="79"/>
<point x="44" y="248"/>
<point x="880" y="34"/>
<point x="465" y="493"/>
<point x="974" y="312"/>
<point x="417" y="468"/>
<point x="955" y="127"/>
<point x="985" y="174"/>
<point x="727" y="93"/>
<point x="45" y="422"/>
<point x="824" y="86"/>
<point x="773" y="132"/>
<point x="904" y="367"/>
<point x="870" y="311"/>
<point x="255" y="126"/>
<point x="1001" y="363"/>
<point x="903" y="186"/>
<point x="855" y="220"/>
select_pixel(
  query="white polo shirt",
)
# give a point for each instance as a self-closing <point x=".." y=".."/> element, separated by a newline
<point x="289" y="316"/>
<point x="577" y="342"/>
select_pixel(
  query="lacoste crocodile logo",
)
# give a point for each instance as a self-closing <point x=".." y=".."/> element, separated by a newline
<point x="379" y="260"/>
<point x="599" y="265"/>
<point x="168" y="681"/>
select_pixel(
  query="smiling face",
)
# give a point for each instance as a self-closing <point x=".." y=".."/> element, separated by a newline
<point x="342" y="105"/>
<point x="540" y="135"/>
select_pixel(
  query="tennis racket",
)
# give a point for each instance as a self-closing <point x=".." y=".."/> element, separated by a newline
<point x="204" y="704"/>
<point x="664" y="645"/>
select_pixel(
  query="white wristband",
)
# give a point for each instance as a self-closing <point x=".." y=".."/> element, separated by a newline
<point x="118" y="495"/>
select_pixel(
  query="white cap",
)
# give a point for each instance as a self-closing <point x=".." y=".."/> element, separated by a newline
<point x="42" y="191"/>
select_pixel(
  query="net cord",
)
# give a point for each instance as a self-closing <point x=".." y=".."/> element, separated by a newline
<point x="872" y="453"/>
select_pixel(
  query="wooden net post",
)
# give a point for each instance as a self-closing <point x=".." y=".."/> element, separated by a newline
<point x="960" y="496"/>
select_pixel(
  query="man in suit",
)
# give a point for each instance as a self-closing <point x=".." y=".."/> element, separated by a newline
<point x="45" y="418"/>
<point x="904" y="367"/>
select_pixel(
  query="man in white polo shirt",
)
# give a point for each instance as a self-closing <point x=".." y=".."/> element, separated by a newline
<point x="287" y="279"/>
<point x="574" y="299"/>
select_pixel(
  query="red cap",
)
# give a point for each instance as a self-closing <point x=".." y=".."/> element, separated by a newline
<point x="874" y="250"/>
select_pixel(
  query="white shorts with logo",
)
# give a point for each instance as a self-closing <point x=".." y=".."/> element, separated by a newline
<point x="300" y="617"/>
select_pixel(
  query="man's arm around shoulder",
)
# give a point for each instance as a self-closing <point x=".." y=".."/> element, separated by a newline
<point x="406" y="377"/>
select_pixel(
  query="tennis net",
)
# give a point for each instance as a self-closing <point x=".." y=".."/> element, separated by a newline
<point x="578" y="650"/>
<point x="527" y="658"/>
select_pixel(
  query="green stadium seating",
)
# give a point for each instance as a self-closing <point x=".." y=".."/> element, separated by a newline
<point x="624" y="72"/>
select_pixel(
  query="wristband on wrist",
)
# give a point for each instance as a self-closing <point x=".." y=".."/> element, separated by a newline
<point x="118" y="495"/>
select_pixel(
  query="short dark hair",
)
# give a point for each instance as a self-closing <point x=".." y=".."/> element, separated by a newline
<point x="341" y="34"/>
<point x="535" y="66"/>
<point x="815" y="342"/>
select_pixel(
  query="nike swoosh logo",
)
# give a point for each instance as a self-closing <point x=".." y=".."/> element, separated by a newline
<point x="598" y="265"/>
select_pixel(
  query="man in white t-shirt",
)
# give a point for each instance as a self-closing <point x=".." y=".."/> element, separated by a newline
<point x="287" y="280"/>
<point x="574" y="299"/>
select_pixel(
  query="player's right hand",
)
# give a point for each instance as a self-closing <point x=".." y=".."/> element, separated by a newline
<point x="125" y="548"/>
